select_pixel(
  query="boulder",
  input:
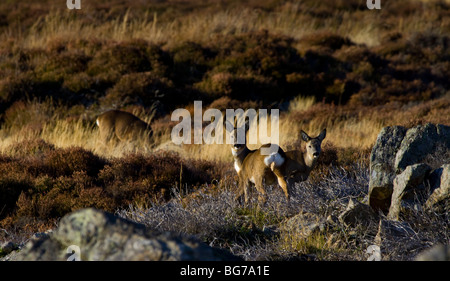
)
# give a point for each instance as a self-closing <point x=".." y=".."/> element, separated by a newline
<point x="405" y="185"/>
<point x="357" y="213"/>
<point x="440" y="184"/>
<point x="444" y="134"/>
<point x="436" y="253"/>
<point x="90" y="234"/>
<point x="416" y="145"/>
<point x="303" y="225"/>
<point x="382" y="172"/>
<point x="397" y="148"/>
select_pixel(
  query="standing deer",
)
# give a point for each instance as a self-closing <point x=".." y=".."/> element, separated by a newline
<point x="280" y="167"/>
<point x="117" y="125"/>
<point x="247" y="161"/>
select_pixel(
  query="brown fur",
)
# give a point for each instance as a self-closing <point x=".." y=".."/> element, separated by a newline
<point x="296" y="166"/>
<point x="118" y="125"/>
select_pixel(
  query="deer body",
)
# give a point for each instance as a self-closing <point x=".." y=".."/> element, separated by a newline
<point x="284" y="168"/>
<point x="259" y="169"/>
<point x="121" y="125"/>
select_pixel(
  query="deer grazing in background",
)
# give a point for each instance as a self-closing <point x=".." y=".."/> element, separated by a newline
<point x="284" y="168"/>
<point x="118" y="125"/>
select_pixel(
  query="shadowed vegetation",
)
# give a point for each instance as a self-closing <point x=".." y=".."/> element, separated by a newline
<point x="325" y="64"/>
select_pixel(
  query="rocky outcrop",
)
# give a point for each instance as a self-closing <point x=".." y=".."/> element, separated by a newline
<point x="416" y="145"/>
<point x="395" y="150"/>
<point x="406" y="185"/>
<point x="357" y="213"/>
<point x="436" y="253"/>
<point x="440" y="184"/>
<point x="90" y="234"/>
<point x="382" y="172"/>
<point x="304" y="225"/>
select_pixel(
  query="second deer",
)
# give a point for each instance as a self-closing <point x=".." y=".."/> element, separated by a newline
<point x="284" y="168"/>
<point x="116" y="125"/>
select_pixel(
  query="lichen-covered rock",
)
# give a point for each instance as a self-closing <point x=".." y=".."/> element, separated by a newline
<point x="438" y="252"/>
<point x="382" y="172"/>
<point x="90" y="234"/>
<point x="404" y="185"/>
<point x="397" y="148"/>
<point x="440" y="183"/>
<point x="357" y="213"/>
<point x="416" y="145"/>
<point x="303" y="225"/>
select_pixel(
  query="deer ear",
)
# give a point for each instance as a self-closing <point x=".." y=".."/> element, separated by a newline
<point x="305" y="136"/>
<point x="322" y="135"/>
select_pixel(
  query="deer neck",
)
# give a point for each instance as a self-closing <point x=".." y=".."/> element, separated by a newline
<point x="310" y="162"/>
<point x="239" y="157"/>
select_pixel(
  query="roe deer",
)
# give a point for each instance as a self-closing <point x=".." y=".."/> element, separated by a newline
<point x="300" y="164"/>
<point x="281" y="167"/>
<point x="247" y="161"/>
<point x="120" y="125"/>
<point x="239" y="150"/>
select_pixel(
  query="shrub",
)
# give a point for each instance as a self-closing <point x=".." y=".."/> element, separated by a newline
<point x="239" y="87"/>
<point x="144" y="88"/>
<point x="116" y="59"/>
<point x="66" y="161"/>
<point x="326" y="39"/>
<point x="135" y="175"/>
<point x="30" y="148"/>
<point x="261" y="52"/>
<point x="56" y="67"/>
<point x="190" y="62"/>
<point x="12" y="185"/>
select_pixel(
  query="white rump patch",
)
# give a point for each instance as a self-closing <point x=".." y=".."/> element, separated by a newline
<point x="96" y="121"/>
<point x="252" y="179"/>
<point x="275" y="159"/>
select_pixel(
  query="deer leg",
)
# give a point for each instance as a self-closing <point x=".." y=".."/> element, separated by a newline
<point x="262" y="196"/>
<point x="239" y="193"/>
<point x="282" y="182"/>
<point x="245" y="187"/>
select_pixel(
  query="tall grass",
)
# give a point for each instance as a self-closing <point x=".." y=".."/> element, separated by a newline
<point x="346" y="127"/>
<point x="291" y="18"/>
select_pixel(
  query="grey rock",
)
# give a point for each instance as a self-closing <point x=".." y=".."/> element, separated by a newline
<point x="382" y="172"/>
<point x="404" y="186"/>
<point x="90" y="234"/>
<point x="357" y="213"/>
<point x="444" y="134"/>
<point x="304" y="225"/>
<point x="397" y="148"/>
<point x="440" y="184"/>
<point x="436" y="253"/>
<point x="416" y="145"/>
